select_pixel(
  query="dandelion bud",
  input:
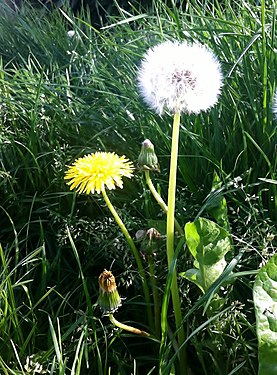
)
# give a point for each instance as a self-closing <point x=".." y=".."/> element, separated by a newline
<point x="147" y="160"/>
<point x="109" y="299"/>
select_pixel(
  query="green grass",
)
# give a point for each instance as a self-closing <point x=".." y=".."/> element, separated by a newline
<point x="61" y="98"/>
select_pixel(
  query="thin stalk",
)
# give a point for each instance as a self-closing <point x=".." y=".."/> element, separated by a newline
<point x="156" y="297"/>
<point x="264" y="54"/>
<point x="135" y="253"/>
<point x="127" y="328"/>
<point x="10" y="300"/>
<point x="170" y="240"/>
<point x="160" y="200"/>
<point x="85" y="286"/>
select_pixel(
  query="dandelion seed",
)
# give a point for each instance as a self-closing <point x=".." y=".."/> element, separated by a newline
<point x="93" y="172"/>
<point x="180" y="77"/>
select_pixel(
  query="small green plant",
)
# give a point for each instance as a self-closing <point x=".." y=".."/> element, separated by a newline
<point x="93" y="174"/>
<point x="173" y="77"/>
<point x="208" y="243"/>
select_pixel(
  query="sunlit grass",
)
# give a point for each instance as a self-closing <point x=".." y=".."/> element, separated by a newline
<point x="65" y="97"/>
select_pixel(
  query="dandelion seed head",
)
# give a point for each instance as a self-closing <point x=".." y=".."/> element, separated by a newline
<point x="180" y="77"/>
<point x="93" y="172"/>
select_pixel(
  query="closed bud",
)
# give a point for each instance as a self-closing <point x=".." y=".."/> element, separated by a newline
<point x="147" y="160"/>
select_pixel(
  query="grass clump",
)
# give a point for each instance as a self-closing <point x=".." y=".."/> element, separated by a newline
<point x="66" y="96"/>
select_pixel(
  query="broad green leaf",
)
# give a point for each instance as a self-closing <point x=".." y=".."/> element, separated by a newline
<point x="208" y="244"/>
<point x="265" y="302"/>
<point x="193" y="275"/>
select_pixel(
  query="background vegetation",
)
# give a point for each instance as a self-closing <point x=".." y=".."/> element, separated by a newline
<point x="62" y="97"/>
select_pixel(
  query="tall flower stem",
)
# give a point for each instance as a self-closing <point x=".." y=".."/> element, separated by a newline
<point x="160" y="200"/>
<point x="135" y="253"/>
<point x="126" y="327"/>
<point x="170" y="239"/>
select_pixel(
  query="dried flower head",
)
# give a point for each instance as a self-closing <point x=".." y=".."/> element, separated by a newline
<point x="109" y="299"/>
<point x="180" y="77"/>
<point x="93" y="172"/>
<point x="107" y="282"/>
<point x="149" y="240"/>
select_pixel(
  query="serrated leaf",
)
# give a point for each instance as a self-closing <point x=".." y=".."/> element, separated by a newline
<point x="208" y="244"/>
<point x="265" y="302"/>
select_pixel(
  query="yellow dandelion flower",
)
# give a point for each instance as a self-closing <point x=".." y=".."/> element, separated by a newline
<point x="93" y="172"/>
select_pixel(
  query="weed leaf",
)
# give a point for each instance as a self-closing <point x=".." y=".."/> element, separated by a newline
<point x="208" y="243"/>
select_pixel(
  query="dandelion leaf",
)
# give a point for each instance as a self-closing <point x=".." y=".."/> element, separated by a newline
<point x="265" y="302"/>
<point x="208" y="244"/>
<point x="194" y="276"/>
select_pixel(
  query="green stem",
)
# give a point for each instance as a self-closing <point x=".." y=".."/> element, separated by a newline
<point x="170" y="239"/>
<point x="126" y="327"/>
<point x="160" y="200"/>
<point x="135" y="253"/>
<point x="264" y="54"/>
<point x="156" y="297"/>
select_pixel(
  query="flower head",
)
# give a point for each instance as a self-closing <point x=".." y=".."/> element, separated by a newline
<point x="109" y="299"/>
<point x="93" y="172"/>
<point x="180" y="77"/>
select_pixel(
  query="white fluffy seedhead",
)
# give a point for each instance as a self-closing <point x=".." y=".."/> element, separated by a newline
<point x="180" y="77"/>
